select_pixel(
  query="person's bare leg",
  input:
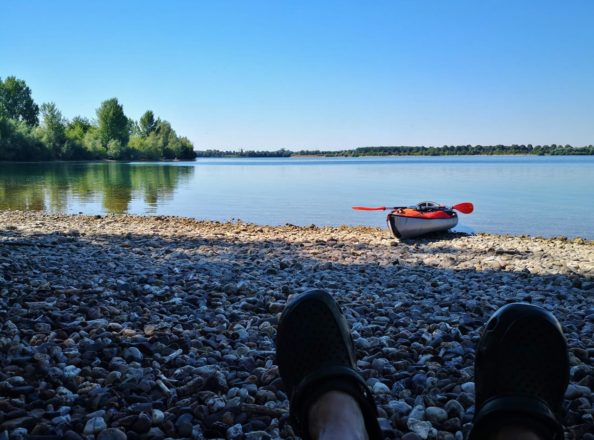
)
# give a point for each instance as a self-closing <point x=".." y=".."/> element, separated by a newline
<point x="515" y="432"/>
<point x="336" y="416"/>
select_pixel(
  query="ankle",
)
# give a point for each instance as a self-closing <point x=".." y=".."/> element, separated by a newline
<point x="336" y="415"/>
<point x="515" y="432"/>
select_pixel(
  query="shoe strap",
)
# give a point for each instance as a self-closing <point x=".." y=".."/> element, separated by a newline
<point x="527" y="411"/>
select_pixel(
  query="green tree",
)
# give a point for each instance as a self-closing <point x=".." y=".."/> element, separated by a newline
<point x="18" y="142"/>
<point x="16" y="101"/>
<point x="115" y="150"/>
<point x="78" y="128"/>
<point x="53" y="129"/>
<point x="112" y="123"/>
<point x="93" y="146"/>
<point x="133" y="128"/>
<point x="147" y="123"/>
<point x="146" y="148"/>
<point x="161" y="142"/>
<point x="75" y="133"/>
<point x="185" y="149"/>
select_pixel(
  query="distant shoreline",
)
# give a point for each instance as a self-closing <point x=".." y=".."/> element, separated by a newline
<point x="363" y="152"/>
<point x="421" y="151"/>
<point x="294" y="156"/>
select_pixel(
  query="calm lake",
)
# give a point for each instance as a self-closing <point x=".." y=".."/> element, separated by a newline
<point x="544" y="196"/>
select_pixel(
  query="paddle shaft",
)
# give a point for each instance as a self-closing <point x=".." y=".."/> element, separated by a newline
<point x="380" y="208"/>
<point x="465" y="208"/>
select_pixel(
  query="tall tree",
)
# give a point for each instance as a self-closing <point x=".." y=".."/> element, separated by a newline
<point x="53" y="129"/>
<point x="16" y="101"/>
<point x="147" y="123"/>
<point x="113" y="123"/>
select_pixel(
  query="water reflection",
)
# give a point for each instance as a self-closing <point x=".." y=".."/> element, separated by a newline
<point x="113" y="186"/>
<point x="512" y="195"/>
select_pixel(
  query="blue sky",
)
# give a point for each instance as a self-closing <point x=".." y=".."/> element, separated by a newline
<point x="325" y="74"/>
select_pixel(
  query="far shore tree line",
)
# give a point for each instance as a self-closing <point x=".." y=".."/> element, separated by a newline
<point x="446" y="150"/>
<point x="30" y="132"/>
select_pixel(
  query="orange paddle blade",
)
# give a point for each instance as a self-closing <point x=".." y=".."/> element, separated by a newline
<point x="464" y="208"/>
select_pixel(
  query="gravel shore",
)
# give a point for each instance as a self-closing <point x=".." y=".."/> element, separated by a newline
<point x="115" y="327"/>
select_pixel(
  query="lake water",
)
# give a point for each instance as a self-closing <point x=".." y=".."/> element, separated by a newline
<point x="545" y="196"/>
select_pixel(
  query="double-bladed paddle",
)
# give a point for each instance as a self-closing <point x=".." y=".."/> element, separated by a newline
<point x="464" y="208"/>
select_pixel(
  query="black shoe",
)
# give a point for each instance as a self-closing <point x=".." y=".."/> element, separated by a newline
<point x="521" y="372"/>
<point x="315" y="355"/>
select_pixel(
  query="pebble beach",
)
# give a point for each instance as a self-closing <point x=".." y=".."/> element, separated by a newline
<point x="130" y="327"/>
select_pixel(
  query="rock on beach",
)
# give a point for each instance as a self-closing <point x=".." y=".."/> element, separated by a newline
<point x="159" y="327"/>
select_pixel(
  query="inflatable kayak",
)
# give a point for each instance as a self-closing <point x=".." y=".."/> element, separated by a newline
<point x="423" y="219"/>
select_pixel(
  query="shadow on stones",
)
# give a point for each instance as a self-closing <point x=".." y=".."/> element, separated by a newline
<point x="129" y="324"/>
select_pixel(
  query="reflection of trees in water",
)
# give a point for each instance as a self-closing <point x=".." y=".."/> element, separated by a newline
<point x="51" y="186"/>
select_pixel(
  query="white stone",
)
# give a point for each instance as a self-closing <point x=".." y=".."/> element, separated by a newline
<point x="380" y="388"/>
<point x="94" y="425"/>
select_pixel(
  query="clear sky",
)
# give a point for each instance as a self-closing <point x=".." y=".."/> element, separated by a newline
<point x="316" y="74"/>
